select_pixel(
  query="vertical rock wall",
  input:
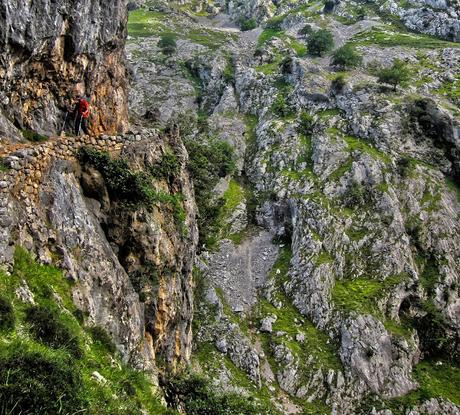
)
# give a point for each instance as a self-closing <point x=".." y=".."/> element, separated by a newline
<point x="51" y="50"/>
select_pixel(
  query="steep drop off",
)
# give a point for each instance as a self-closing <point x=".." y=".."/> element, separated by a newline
<point x="355" y="180"/>
<point x="322" y="199"/>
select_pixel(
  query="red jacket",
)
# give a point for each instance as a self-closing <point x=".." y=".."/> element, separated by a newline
<point x="83" y="108"/>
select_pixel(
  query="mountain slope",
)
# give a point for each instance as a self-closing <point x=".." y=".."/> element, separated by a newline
<point x="357" y="179"/>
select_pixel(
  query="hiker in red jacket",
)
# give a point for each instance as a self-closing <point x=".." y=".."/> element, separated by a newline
<point x="81" y="112"/>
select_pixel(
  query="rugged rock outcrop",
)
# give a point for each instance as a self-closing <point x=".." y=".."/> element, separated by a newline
<point x="53" y="50"/>
<point x="62" y="207"/>
<point x="359" y="182"/>
<point x="437" y="18"/>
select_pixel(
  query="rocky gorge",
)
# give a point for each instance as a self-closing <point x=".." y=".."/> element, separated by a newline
<point x="265" y="221"/>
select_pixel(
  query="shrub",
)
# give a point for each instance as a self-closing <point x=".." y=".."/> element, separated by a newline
<point x="320" y="42"/>
<point x="275" y="23"/>
<point x="248" y="24"/>
<point x="122" y="183"/>
<point x="209" y="160"/>
<point x="405" y="166"/>
<point x="287" y="65"/>
<point x="281" y="107"/>
<point x="346" y="57"/>
<point x="306" y="123"/>
<point x="329" y="6"/>
<point x="355" y="195"/>
<point x="168" y="167"/>
<point x="168" y="44"/>
<point x="306" y="30"/>
<point x="134" y="188"/>
<point x="37" y="381"/>
<point x="397" y="74"/>
<point x="47" y="328"/>
<point x="200" y="398"/>
<point x="338" y="83"/>
<point x="33" y="136"/>
<point x="7" y="318"/>
<point x="99" y="335"/>
<point x="360" y="13"/>
<point x="229" y="72"/>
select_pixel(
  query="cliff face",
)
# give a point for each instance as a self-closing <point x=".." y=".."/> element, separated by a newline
<point x="130" y="259"/>
<point x="51" y="50"/>
<point x="359" y="182"/>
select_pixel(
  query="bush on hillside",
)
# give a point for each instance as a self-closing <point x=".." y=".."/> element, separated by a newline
<point x="281" y="106"/>
<point x="7" y="318"/>
<point x="306" y="30"/>
<point x="49" y="329"/>
<point x="99" y="335"/>
<point x="209" y="160"/>
<point x="338" y="84"/>
<point x="36" y="381"/>
<point x="329" y="6"/>
<point x="248" y="24"/>
<point x="199" y="397"/>
<point x="346" y="57"/>
<point x="320" y="42"/>
<point x="306" y="123"/>
<point x="397" y="74"/>
<point x="167" y="44"/>
<point x="167" y="168"/>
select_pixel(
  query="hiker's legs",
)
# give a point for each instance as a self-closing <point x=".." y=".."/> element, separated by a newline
<point x="84" y="126"/>
<point x="78" y="120"/>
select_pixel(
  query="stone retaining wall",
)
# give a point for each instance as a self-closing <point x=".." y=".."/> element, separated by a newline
<point x="26" y="166"/>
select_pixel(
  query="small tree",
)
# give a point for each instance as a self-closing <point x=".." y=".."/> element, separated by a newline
<point x="248" y="24"/>
<point x="395" y="75"/>
<point x="329" y="6"/>
<point x="281" y="107"/>
<point x="346" y="57"/>
<point x="338" y="84"/>
<point x="306" y="123"/>
<point x="168" y="44"/>
<point x="320" y="42"/>
<point x="306" y="30"/>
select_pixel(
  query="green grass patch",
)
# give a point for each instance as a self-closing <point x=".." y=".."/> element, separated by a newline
<point x="341" y="170"/>
<point x="361" y="295"/>
<point x="356" y="234"/>
<point x="306" y="153"/>
<point x="453" y="186"/>
<point x="267" y="35"/>
<point x="437" y="379"/>
<point x="357" y="144"/>
<point x="323" y="258"/>
<point x="451" y="89"/>
<point x="33" y="136"/>
<point x="272" y="67"/>
<point x="233" y="196"/>
<point x="389" y="36"/>
<point x="144" y="23"/>
<point x="40" y="373"/>
<point x="317" y="343"/>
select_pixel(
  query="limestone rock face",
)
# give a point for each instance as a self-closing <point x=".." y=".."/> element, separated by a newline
<point x="51" y="50"/>
<point x="131" y="265"/>
<point x="437" y="18"/>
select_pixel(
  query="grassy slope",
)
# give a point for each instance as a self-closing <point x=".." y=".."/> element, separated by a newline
<point x="126" y="390"/>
